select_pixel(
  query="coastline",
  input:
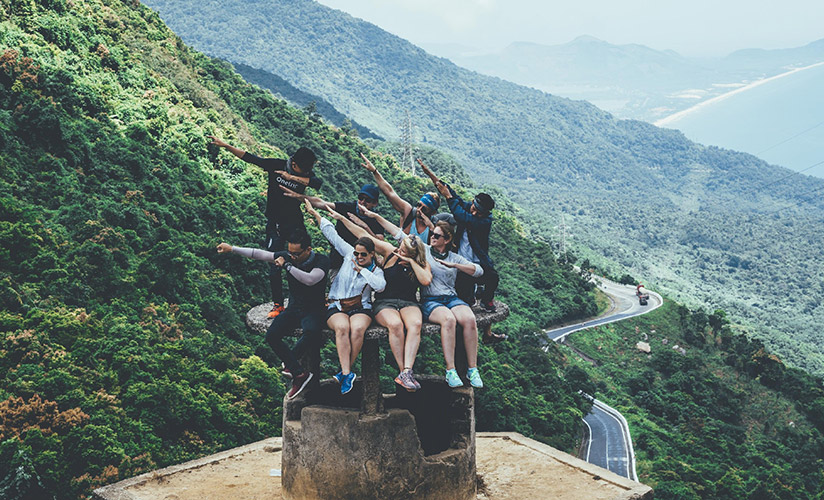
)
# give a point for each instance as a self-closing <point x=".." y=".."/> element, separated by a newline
<point x="667" y="121"/>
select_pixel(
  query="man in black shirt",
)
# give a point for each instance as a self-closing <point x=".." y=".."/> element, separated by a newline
<point x="307" y="273"/>
<point x="283" y="214"/>
<point x="367" y="198"/>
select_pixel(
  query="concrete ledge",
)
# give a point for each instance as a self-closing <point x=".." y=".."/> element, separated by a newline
<point x="257" y="321"/>
<point x="509" y="466"/>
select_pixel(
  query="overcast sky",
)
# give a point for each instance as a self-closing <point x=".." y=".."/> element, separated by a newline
<point x="695" y="28"/>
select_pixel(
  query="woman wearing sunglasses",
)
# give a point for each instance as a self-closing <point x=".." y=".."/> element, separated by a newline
<point x="396" y="307"/>
<point x="414" y="220"/>
<point x="350" y="312"/>
<point x="440" y="302"/>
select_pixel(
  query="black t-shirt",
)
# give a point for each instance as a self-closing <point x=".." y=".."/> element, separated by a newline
<point x="279" y="207"/>
<point x="401" y="282"/>
<point x="307" y="297"/>
<point x="345" y="208"/>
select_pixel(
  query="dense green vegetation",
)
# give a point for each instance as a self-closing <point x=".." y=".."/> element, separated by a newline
<point x="706" y="225"/>
<point x="122" y="343"/>
<point x="723" y="420"/>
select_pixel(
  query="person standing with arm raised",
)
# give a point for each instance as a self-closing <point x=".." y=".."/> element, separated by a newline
<point x="283" y="214"/>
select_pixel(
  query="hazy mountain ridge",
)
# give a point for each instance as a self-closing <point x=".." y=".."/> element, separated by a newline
<point x="632" y="80"/>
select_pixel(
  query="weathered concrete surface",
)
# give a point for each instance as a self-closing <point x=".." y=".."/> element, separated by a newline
<point x="509" y="467"/>
<point x="338" y="454"/>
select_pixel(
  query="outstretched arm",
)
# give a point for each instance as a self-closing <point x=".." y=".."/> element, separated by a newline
<point x="385" y="224"/>
<point x="252" y="253"/>
<point x="382" y="247"/>
<point x="464" y="266"/>
<point x="400" y="206"/>
<point x="219" y="143"/>
<point x="423" y="274"/>
<point x="439" y="184"/>
<point x="316" y="201"/>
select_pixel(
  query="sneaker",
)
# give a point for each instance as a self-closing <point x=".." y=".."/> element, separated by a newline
<point x="453" y="379"/>
<point x="412" y="378"/>
<point x="276" y="309"/>
<point x="488" y="306"/>
<point x="405" y="380"/>
<point x="298" y="384"/>
<point x="285" y="371"/>
<point x="338" y="377"/>
<point x="474" y="377"/>
<point x="346" y="382"/>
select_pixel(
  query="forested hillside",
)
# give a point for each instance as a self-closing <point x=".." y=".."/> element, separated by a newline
<point x="122" y="341"/>
<point x="706" y="225"/>
<point x="713" y="414"/>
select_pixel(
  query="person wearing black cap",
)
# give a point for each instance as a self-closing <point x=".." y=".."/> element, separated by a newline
<point x="283" y="214"/>
<point x="367" y="198"/>
<point x="474" y="222"/>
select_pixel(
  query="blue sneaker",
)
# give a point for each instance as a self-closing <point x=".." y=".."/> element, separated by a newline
<point x="338" y="377"/>
<point x="346" y="382"/>
<point x="474" y="378"/>
<point x="453" y="379"/>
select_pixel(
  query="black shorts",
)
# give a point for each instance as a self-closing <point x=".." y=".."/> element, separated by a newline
<point x="334" y="310"/>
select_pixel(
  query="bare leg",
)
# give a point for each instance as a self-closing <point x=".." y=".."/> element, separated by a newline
<point x="339" y="323"/>
<point x="358" y="323"/>
<point x="466" y="319"/>
<point x="391" y="319"/>
<point x="444" y="317"/>
<point x="413" y="320"/>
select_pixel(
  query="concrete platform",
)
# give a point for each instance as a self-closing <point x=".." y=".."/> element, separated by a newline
<point x="509" y="466"/>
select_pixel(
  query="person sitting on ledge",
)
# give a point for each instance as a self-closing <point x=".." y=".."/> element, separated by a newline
<point x="396" y="308"/>
<point x="414" y="220"/>
<point x="350" y="311"/>
<point x="440" y="302"/>
<point x="474" y="223"/>
<point x="306" y="274"/>
<point x="283" y="215"/>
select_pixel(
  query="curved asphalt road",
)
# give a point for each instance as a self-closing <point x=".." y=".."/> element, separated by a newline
<point x="610" y="445"/>
<point x="607" y="445"/>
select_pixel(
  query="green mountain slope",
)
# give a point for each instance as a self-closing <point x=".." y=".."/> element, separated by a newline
<point x="712" y="414"/>
<point x="706" y="225"/>
<point x="122" y="342"/>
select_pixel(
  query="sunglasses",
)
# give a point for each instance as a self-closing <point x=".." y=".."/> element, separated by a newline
<point x="297" y="254"/>
<point x="436" y="236"/>
<point x="364" y="198"/>
<point x="360" y="254"/>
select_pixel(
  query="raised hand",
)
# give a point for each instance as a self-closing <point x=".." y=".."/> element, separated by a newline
<point x="365" y="211"/>
<point x="224" y="248"/>
<point x="217" y="142"/>
<point x="368" y="164"/>
<point x="445" y="263"/>
<point x="292" y="194"/>
<point x="357" y="220"/>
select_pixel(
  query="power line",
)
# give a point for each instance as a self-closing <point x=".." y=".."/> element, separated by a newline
<point x="791" y="138"/>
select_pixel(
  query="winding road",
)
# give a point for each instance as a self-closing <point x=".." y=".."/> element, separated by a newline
<point x="610" y="444"/>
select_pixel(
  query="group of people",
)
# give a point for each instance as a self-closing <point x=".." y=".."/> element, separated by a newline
<point x="442" y="258"/>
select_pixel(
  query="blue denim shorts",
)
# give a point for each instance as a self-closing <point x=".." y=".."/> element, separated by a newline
<point x="429" y="304"/>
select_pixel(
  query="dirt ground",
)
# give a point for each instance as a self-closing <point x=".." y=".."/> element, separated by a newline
<point x="509" y="467"/>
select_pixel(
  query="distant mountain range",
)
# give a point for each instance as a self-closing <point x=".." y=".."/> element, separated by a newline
<point x="714" y="227"/>
<point x="631" y="81"/>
